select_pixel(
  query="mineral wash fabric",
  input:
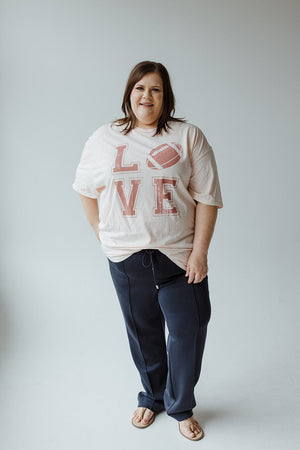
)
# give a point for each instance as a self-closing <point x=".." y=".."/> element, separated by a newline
<point x="147" y="186"/>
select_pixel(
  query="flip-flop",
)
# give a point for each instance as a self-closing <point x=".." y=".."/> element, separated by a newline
<point x="143" y="425"/>
<point x="198" y="436"/>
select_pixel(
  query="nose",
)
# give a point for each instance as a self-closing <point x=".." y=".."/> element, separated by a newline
<point x="147" y="94"/>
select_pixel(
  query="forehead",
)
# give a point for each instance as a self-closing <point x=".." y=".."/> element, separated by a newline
<point x="151" y="79"/>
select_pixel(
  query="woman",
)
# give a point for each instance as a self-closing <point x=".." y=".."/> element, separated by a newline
<point x="156" y="180"/>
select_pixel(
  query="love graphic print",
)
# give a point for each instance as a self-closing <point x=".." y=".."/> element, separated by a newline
<point x="160" y="157"/>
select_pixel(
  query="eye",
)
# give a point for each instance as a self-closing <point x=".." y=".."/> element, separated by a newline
<point x="154" y="89"/>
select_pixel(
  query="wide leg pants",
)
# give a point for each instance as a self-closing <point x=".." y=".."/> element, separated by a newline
<point x="153" y="290"/>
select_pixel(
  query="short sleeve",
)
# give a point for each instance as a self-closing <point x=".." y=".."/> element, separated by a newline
<point x="87" y="180"/>
<point x="204" y="185"/>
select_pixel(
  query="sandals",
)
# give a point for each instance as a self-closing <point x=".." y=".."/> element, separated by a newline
<point x="136" y="424"/>
<point x="143" y="425"/>
<point x="198" y="436"/>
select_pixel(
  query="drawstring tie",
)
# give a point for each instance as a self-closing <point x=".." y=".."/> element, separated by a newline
<point x="149" y="252"/>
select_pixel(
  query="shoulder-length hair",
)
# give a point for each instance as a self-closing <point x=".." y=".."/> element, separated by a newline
<point x="167" y="115"/>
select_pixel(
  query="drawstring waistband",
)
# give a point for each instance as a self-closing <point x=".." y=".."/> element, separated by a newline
<point x="149" y="252"/>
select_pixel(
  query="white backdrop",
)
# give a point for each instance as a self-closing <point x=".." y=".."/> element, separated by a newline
<point x="67" y="379"/>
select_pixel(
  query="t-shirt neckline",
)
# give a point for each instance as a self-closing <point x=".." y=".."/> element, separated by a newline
<point x="145" y="130"/>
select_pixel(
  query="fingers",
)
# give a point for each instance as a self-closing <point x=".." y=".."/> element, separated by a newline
<point x="195" y="277"/>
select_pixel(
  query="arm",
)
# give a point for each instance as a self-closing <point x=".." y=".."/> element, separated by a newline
<point x="205" y="219"/>
<point x="90" y="206"/>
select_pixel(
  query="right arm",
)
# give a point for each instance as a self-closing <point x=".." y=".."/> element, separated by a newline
<point x="90" y="206"/>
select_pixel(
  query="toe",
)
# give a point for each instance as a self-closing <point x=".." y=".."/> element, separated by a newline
<point x="194" y="430"/>
<point x="139" y="413"/>
<point x="147" y="415"/>
<point x="191" y="433"/>
<point x="197" y="428"/>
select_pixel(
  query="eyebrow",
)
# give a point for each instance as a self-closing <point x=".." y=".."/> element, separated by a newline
<point x="140" y="84"/>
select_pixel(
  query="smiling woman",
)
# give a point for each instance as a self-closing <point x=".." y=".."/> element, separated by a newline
<point x="156" y="180"/>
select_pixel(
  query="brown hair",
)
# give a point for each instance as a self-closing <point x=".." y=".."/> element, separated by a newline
<point x="136" y="74"/>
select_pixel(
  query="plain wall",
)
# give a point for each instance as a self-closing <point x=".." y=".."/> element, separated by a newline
<point x="64" y="357"/>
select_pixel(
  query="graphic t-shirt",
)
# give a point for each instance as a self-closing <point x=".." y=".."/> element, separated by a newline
<point x="148" y="187"/>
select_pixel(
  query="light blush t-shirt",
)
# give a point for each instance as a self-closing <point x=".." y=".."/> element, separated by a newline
<point x="148" y="187"/>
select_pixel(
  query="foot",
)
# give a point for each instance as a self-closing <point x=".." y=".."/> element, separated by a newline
<point x="142" y="415"/>
<point x="191" y="429"/>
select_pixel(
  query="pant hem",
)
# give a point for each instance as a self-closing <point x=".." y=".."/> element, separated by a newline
<point x="181" y="416"/>
<point x="152" y="407"/>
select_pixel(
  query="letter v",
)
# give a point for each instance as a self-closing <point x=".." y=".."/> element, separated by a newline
<point x="128" y="207"/>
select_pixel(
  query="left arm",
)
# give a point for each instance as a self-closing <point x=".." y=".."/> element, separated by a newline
<point x="205" y="219"/>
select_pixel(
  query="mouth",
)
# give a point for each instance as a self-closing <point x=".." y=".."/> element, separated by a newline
<point x="146" y="104"/>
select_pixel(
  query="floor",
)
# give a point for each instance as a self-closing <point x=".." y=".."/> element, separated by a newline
<point x="67" y="380"/>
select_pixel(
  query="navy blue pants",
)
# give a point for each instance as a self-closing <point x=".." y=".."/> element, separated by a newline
<point x="153" y="290"/>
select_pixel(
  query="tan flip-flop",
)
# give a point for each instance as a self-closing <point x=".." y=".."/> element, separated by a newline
<point x="198" y="436"/>
<point x="143" y="425"/>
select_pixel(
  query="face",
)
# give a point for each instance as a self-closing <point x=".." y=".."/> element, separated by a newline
<point x="147" y="100"/>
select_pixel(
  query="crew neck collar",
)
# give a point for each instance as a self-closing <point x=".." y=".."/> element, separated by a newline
<point x="145" y="130"/>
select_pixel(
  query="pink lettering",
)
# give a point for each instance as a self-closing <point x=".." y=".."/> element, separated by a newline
<point x="120" y="166"/>
<point x="128" y="206"/>
<point x="159" y="184"/>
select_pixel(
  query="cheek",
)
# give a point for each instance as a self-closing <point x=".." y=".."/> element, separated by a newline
<point x="134" y="99"/>
<point x="160" y="100"/>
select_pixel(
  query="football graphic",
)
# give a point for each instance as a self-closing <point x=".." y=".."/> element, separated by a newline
<point x="165" y="155"/>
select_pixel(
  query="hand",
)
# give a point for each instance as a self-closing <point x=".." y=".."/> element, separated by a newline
<point x="196" y="267"/>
